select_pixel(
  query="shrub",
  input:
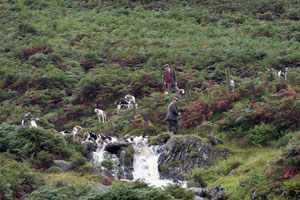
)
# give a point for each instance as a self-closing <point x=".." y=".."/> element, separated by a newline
<point x="44" y="159"/>
<point x="263" y="134"/>
<point x="17" y="179"/>
<point x="108" y="164"/>
<point x="179" y="193"/>
<point x="54" y="170"/>
<point x="63" y="190"/>
<point x="133" y="191"/>
<point x="77" y="161"/>
<point x="197" y="176"/>
<point x="224" y="167"/>
<point x="27" y="142"/>
<point x="291" y="188"/>
<point x="129" y="155"/>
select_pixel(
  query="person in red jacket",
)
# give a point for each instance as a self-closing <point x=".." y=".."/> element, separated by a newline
<point x="169" y="79"/>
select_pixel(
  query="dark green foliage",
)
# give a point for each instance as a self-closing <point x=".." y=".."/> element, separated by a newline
<point x="17" y="179"/>
<point x="197" y="177"/>
<point x="61" y="59"/>
<point x="63" y="190"/>
<point x="108" y="164"/>
<point x="44" y="159"/>
<point x="54" y="170"/>
<point x="77" y="161"/>
<point x="263" y="134"/>
<point x="133" y="191"/>
<point x="179" y="193"/>
<point x="129" y="155"/>
<point x="26" y="142"/>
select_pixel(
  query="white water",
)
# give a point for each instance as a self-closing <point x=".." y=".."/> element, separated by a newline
<point x="98" y="156"/>
<point x="145" y="166"/>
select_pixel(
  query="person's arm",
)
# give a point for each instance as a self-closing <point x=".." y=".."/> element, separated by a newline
<point x="175" y="79"/>
<point x="165" y="77"/>
<point x="174" y="110"/>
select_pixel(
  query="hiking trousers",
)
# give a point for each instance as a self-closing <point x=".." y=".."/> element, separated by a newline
<point x="168" y="87"/>
<point x="172" y="126"/>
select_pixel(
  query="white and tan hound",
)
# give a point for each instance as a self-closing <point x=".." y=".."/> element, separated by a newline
<point x="101" y="115"/>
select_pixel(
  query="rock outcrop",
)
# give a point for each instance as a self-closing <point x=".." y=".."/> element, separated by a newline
<point x="116" y="146"/>
<point x="216" y="193"/>
<point x="182" y="154"/>
<point x="214" y="140"/>
<point x="105" y="175"/>
<point x="125" y="170"/>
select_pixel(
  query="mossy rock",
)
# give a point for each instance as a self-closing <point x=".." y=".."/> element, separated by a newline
<point x="129" y="151"/>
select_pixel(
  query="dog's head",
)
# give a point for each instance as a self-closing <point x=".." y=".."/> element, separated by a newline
<point x="77" y="127"/>
<point x="181" y="91"/>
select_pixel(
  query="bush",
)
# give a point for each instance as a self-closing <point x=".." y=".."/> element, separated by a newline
<point x="108" y="164"/>
<point x="54" y="170"/>
<point x="133" y="191"/>
<point x="291" y="188"/>
<point x="44" y="159"/>
<point x="263" y="134"/>
<point x="197" y="176"/>
<point x="27" y="142"/>
<point x="17" y="179"/>
<point x="63" y="190"/>
<point x="179" y="193"/>
<point x="77" y="161"/>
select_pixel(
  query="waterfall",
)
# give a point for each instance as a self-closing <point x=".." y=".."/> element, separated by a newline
<point x="145" y="166"/>
<point x="145" y="163"/>
<point x="99" y="155"/>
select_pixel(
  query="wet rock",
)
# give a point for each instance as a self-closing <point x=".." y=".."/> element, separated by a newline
<point x="64" y="165"/>
<point x="216" y="193"/>
<point x="198" y="198"/>
<point x="89" y="157"/>
<point x="197" y="191"/>
<point x="181" y="155"/>
<point x="254" y="196"/>
<point x="106" y="172"/>
<point x="115" y="147"/>
<point x="125" y="172"/>
<point x="107" y="180"/>
<point x="90" y="147"/>
<point x="105" y="175"/>
<point x="93" y="170"/>
<point x="214" y="140"/>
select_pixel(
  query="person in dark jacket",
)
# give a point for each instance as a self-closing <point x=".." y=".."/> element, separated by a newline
<point x="169" y="79"/>
<point x="172" y="116"/>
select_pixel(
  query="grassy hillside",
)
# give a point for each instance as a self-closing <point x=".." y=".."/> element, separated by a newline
<point x="59" y="60"/>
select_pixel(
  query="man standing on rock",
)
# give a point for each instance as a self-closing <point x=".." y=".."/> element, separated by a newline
<point x="172" y="116"/>
<point x="169" y="79"/>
